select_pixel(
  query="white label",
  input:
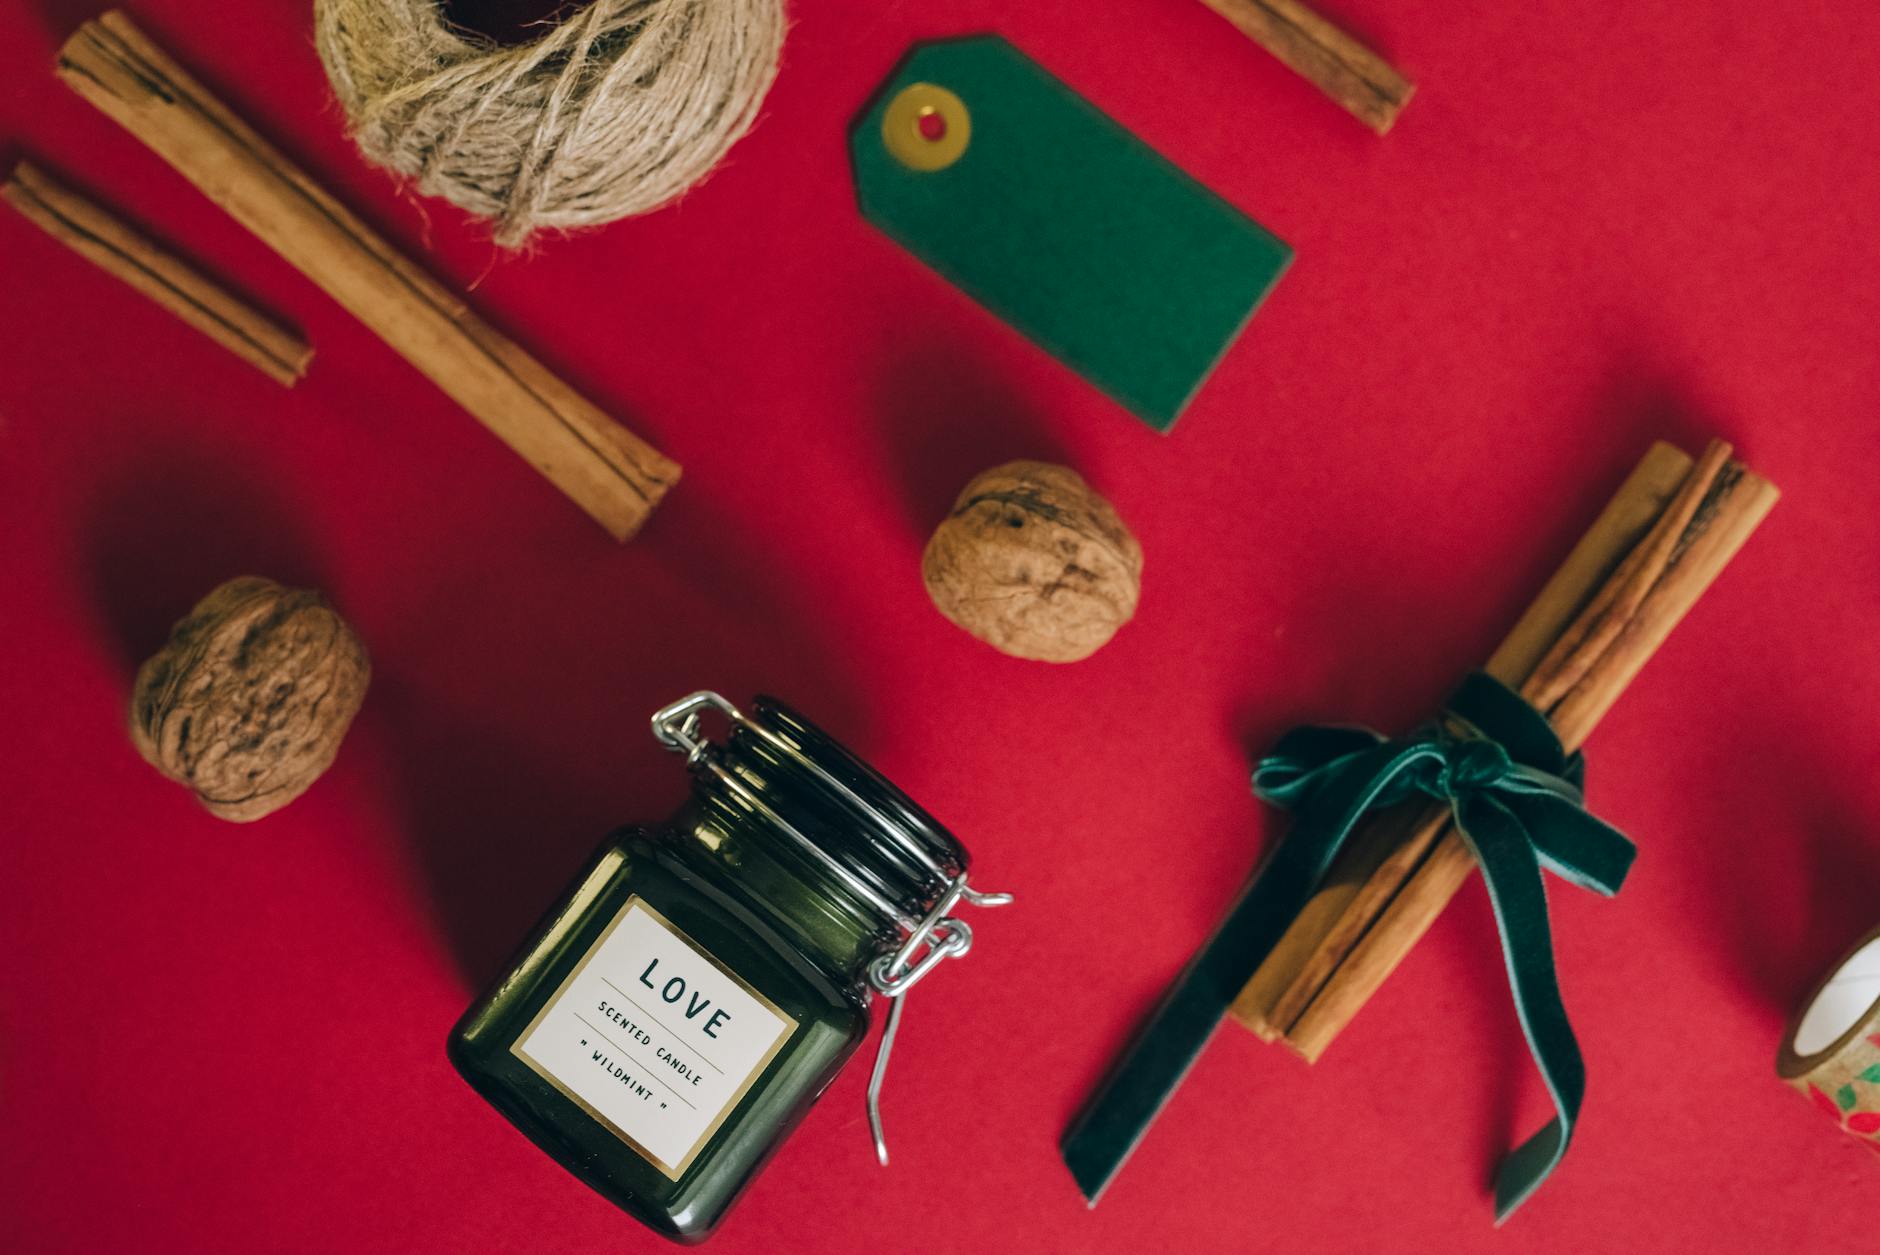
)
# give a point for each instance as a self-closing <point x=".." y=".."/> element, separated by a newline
<point x="654" y="1037"/>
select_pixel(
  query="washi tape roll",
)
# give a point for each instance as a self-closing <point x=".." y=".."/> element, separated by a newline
<point x="1831" y="1050"/>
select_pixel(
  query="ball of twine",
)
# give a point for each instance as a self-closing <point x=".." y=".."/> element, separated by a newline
<point x="614" y="112"/>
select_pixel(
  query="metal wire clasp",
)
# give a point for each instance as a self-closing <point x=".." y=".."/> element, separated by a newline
<point x="676" y="726"/>
<point x="892" y="975"/>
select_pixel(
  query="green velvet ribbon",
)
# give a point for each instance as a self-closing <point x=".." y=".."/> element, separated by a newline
<point x="1516" y="798"/>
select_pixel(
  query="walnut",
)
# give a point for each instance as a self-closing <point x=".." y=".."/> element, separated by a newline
<point x="1034" y="563"/>
<point x="248" y="701"/>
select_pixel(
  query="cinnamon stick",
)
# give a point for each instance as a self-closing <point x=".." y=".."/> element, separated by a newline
<point x="1385" y="849"/>
<point x="606" y="469"/>
<point x="1701" y="529"/>
<point x="118" y="248"/>
<point x="1585" y="642"/>
<point x="1359" y="80"/>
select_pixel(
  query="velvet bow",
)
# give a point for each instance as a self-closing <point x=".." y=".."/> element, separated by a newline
<point x="1515" y="795"/>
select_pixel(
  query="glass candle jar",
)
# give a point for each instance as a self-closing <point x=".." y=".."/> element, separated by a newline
<point x="676" y="1013"/>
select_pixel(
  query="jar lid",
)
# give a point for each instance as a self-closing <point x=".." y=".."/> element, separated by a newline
<point x="904" y="853"/>
<point x="890" y="854"/>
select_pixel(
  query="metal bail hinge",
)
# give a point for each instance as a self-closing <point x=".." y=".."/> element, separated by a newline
<point x="892" y="975"/>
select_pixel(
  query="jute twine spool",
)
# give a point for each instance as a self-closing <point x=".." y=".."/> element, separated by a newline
<point x="614" y="112"/>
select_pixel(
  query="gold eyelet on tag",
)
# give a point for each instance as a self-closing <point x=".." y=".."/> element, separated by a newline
<point x="926" y="127"/>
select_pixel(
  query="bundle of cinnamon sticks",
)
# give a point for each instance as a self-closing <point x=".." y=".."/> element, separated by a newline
<point x="1672" y="528"/>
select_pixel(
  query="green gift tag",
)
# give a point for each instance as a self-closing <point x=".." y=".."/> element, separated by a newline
<point x="1044" y="210"/>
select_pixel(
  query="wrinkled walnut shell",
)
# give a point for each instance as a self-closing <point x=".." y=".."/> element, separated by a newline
<point x="248" y="702"/>
<point x="1034" y="563"/>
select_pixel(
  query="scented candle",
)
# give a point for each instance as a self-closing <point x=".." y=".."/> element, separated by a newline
<point x="676" y="1013"/>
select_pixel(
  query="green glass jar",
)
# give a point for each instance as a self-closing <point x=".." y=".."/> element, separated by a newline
<point x="677" y="1012"/>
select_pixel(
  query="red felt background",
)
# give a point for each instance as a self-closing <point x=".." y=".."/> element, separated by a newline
<point x="1591" y="228"/>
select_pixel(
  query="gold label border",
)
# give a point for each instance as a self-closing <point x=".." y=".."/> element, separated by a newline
<point x="673" y="1172"/>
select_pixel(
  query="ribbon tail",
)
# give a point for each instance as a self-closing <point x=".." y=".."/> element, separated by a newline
<point x="1575" y="844"/>
<point x="1145" y="1076"/>
<point x="1512" y="872"/>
